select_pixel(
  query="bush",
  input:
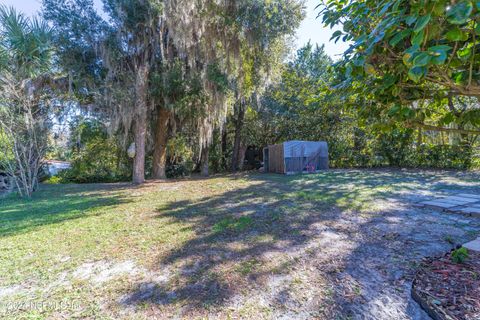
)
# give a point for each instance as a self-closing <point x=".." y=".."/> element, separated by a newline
<point x="442" y="157"/>
<point x="96" y="157"/>
<point x="98" y="161"/>
<point x="398" y="148"/>
<point x="179" y="155"/>
<point x="53" y="180"/>
<point x="178" y="170"/>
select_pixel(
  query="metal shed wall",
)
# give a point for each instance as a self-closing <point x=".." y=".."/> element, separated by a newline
<point x="295" y="148"/>
<point x="309" y="156"/>
<point x="296" y="156"/>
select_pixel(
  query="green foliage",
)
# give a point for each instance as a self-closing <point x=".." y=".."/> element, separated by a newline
<point x="6" y="156"/>
<point x="96" y="157"/>
<point x="215" y="75"/>
<point x="180" y="170"/>
<point x="399" y="149"/>
<point x="394" y="145"/>
<point x="460" y="255"/>
<point x="405" y="70"/>
<point x="302" y="106"/>
<point x="76" y="26"/>
<point x="297" y="107"/>
<point x="460" y="12"/>
<point x="410" y="51"/>
<point x="196" y="53"/>
<point x="54" y="180"/>
<point x="179" y="90"/>
<point x="25" y="44"/>
<point x="28" y="88"/>
<point x="179" y="155"/>
<point x="442" y="157"/>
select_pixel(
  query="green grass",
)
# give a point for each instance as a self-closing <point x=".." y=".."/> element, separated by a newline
<point x="247" y="267"/>
<point x="233" y="224"/>
<point x="46" y="239"/>
<point x="65" y="226"/>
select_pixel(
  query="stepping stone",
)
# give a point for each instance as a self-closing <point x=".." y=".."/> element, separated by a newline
<point x="462" y="199"/>
<point x="452" y="201"/>
<point x="469" y="195"/>
<point x="440" y="204"/>
<point x="473" y="245"/>
<point x="470" y="210"/>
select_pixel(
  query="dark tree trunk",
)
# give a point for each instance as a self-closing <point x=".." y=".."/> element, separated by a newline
<point x="224" y="148"/>
<point x="140" y="130"/>
<point x="204" y="161"/>
<point x="239" y="120"/>
<point x="161" y="138"/>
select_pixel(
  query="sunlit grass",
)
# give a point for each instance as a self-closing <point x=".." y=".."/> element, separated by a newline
<point x="64" y="226"/>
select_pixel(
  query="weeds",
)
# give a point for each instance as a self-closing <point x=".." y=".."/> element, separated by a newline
<point x="247" y="267"/>
<point x="460" y="255"/>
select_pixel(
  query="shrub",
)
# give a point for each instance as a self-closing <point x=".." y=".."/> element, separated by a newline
<point x="53" y="180"/>
<point x="96" y="157"/>
<point x="178" y="170"/>
<point x="179" y="155"/>
<point x="460" y="255"/>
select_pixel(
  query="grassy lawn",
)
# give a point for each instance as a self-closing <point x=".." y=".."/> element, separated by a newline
<point x="229" y="246"/>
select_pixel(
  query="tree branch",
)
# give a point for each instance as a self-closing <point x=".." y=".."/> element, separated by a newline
<point x="443" y="129"/>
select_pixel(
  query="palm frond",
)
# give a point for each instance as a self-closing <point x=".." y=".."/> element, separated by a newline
<point x="27" y="42"/>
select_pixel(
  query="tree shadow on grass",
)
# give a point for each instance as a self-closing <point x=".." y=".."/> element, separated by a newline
<point x="245" y="237"/>
<point x="237" y="231"/>
<point x="57" y="203"/>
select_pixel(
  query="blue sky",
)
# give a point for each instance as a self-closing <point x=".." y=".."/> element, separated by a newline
<point x="310" y="29"/>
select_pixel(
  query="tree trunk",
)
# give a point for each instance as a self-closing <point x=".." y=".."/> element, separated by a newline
<point x="238" y="135"/>
<point x="140" y="130"/>
<point x="204" y="161"/>
<point x="224" y="148"/>
<point x="139" y="160"/>
<point x="161" y="137"/>
<point x="241" y="156"/>
<point x="419" y="137"/>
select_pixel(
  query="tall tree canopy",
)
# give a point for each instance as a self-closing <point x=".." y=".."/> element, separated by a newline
<point x="216" y="53"/>
<point x="238" y="43"/>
